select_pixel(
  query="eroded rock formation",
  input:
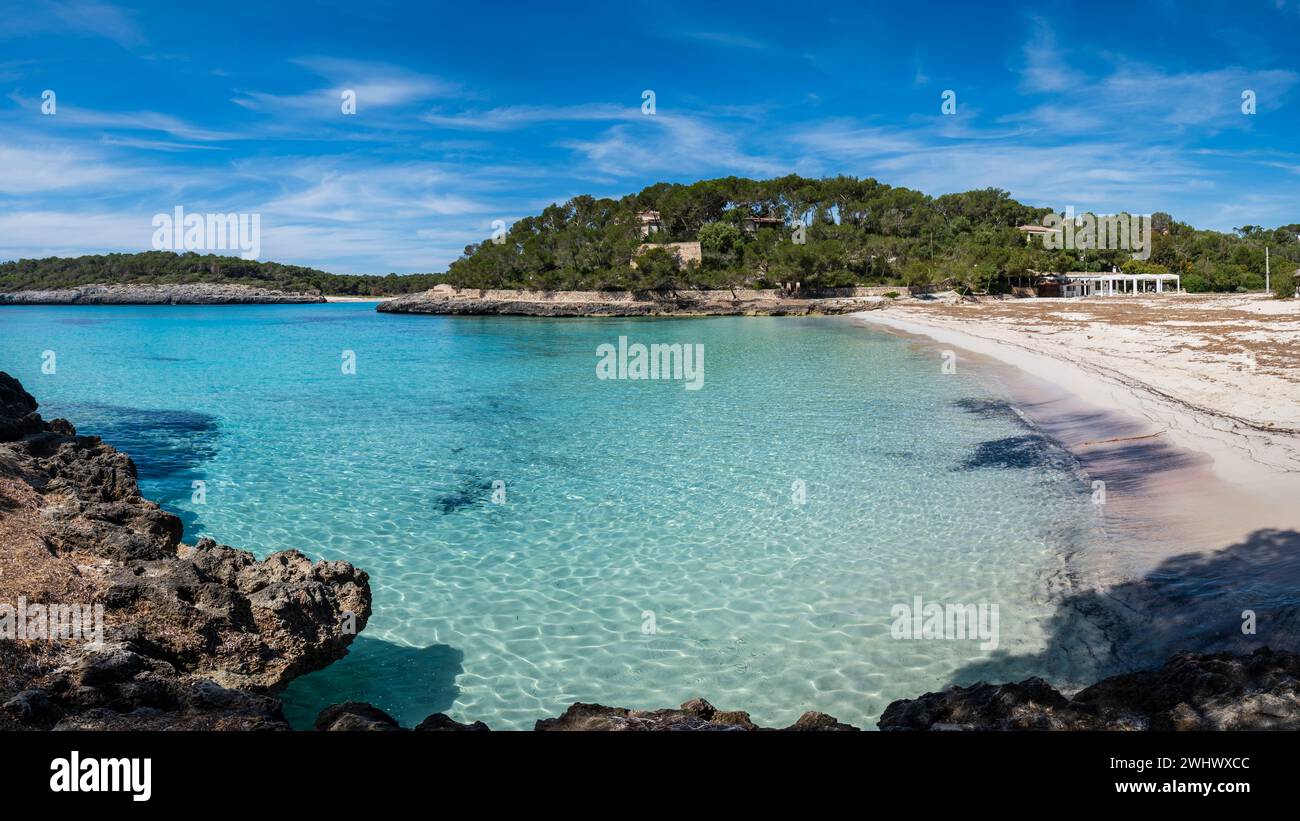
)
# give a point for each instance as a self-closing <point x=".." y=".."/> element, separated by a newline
<point x="359" y="716"/>
<point x="1221" y="691"/>
<point x="194" y="637"/>
<point x="444" y="299"/>
<point x="695" y="715"/>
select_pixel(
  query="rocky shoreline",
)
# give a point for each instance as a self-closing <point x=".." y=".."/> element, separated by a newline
<point x="203" y="636"/>
<point x="196" y="637"/>
<point x="199" y="293"/>
<point x="1192" y="691"/>
<point x="448" y="300"/>
<point x="696" y="714"/>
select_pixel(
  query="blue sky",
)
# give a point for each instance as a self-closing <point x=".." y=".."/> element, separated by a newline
<point x="473" y="112"/>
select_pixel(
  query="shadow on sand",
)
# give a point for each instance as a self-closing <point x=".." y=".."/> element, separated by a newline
<point x="1193" y="601"/>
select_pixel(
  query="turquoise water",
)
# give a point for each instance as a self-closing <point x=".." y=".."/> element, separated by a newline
<point x="649" y="547"/>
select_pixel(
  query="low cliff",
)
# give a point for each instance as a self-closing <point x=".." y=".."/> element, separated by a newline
<point x="200" y="293"/>
<point x="445" y="299"/>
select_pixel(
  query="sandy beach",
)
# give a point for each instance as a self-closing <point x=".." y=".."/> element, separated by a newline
<point x="1188" y="409"/>
<point x="1215" y="374"/>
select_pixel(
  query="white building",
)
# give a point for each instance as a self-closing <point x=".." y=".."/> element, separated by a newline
<point x="1106" y="283"/>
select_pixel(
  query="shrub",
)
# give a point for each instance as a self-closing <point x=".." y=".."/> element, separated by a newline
<point x="1284" y="285"/>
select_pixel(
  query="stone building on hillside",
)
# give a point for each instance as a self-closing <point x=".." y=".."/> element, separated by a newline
<point x="649" y="222"/>
<point x="683" y="252"/>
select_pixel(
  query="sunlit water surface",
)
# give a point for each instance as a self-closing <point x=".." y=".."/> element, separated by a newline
<point x="653" y="544"/>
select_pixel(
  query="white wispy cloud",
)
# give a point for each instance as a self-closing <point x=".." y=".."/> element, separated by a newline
<point x="12" y="70"/>
<point x="53" y="166"/>
<point x="338" y="189"/>
<point x="725" y="38"/>
<point x="1132" y="96"/>
<point x="1194" y="98"/>
<point x="157" y="145"/>
<point x="507" y="118"/>
<point x="428" y="164"/>
<point x="376" y="85"/>
<point x="1251" y="208"/>
<point x="674" y="143"/>
<point x="70" y="114"/>
<point x="142" y="121"/>
<point x="843" y="138"/>
<point x="53" y="232"/>
<point x="87" y="18"/>
<point x="1103" y="176"/>
<point x="1045" y="69"/>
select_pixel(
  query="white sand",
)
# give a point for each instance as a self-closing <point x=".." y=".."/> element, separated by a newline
<point x="1190" y="374"/>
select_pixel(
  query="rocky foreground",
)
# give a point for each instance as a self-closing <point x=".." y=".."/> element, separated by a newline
<point x="445" y="299"/>
<point x="1260" y="691"/>
<point x="200" y="293"/>
<point x="696" y="714"/>
<point x="195" y="636"/>
<point x="1222" y="691"/>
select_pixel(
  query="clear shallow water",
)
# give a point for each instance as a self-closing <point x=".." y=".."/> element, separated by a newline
<point x="626" y="502"/>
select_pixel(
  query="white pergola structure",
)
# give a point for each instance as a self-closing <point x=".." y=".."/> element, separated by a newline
<point x="1086" y="283"/>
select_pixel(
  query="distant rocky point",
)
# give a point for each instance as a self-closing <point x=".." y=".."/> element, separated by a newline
<point x="198" y="293"/>
<point x="447" y="299"/>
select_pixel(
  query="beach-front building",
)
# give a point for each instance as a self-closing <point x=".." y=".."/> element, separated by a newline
<point x="1105" y="283"/>
<point x="683" y="252"/>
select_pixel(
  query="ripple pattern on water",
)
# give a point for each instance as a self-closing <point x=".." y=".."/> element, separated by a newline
<point x="650" y="547"/>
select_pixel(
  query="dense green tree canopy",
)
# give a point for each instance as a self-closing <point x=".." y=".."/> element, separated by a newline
<point x="836" y="231"/>
<point x="855" y="232"/>
<point x="166" y="267"/>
